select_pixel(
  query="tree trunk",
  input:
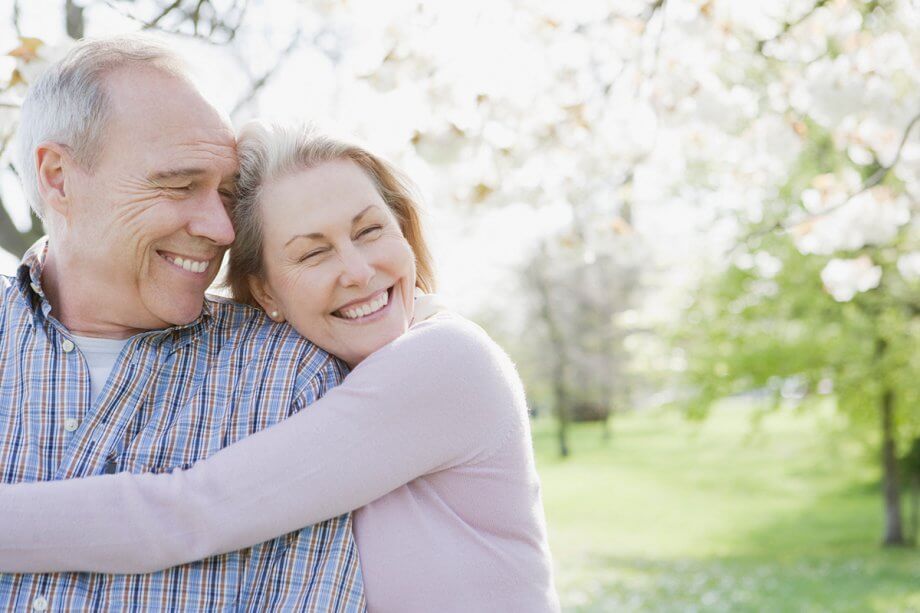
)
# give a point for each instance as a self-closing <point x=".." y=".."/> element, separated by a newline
<point x="75" y="22"/>
<point x="562" y="414"/>
<point x="894" y="534"/>
<point x="560" y="393"/>
<point x="891" y="487"/>
<point x="11" y="239"/>
<point x="914" y="517"/>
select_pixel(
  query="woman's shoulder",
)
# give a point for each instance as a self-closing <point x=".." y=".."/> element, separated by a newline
<point x="447" y="324"/>
<point x="448" y="350"/>
<point x="453" y="337"/>
<point x="448" y="345"/>
<point x="449" y="367"/>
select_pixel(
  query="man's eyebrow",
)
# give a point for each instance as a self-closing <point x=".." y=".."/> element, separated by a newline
<point x="318" y="235"/>
<point x="177" y="173"/>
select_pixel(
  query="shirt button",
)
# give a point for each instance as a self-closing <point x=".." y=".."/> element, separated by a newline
<point x="71" y="425"/>
<point x="40" y="604"/>
<point x="67" y="345"/>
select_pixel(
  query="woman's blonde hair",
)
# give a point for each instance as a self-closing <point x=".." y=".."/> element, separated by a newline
<point x="271" y="151"/>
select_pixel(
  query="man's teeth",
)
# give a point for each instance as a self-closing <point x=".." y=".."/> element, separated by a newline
<point x="189" y="265"/>
<point x="367" y="308"/>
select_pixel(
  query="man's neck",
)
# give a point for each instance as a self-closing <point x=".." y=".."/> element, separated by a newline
<point x="79" y="310"/>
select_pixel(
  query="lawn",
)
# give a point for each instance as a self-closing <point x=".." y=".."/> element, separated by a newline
<point x="731" y="514"/>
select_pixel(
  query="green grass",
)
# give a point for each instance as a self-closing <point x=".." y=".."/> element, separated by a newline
<point x="723" y="515"/>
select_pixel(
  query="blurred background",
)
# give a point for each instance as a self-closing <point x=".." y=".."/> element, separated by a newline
<point x="692" y="223"/>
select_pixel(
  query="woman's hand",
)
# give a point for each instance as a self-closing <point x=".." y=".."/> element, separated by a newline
<point x="426" y="305"/>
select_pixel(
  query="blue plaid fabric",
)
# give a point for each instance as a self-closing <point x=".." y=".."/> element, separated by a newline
<point x="174" y="396"/>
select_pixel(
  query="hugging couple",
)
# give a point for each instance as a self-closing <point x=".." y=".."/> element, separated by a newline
<point x="332" y="439"/>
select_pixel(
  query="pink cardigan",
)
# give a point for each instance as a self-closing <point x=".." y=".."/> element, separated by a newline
<point x="428" y="438"/>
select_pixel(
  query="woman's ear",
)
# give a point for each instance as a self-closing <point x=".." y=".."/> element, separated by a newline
<point x="51" y="164"/>
<point x="263" y="295"/>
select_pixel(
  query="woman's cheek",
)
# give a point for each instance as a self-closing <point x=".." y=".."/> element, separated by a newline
<point x="395" y="250"/>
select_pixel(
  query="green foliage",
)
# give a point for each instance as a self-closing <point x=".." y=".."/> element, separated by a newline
<point x="746" y="332"/>
<point x="753" y="330"/>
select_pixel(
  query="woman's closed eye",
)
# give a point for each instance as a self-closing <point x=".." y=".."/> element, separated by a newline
<point x="313" y="255"/>
<point x="370" y="231"/>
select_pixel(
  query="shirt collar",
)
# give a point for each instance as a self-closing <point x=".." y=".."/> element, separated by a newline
<point x="29" y="275"/>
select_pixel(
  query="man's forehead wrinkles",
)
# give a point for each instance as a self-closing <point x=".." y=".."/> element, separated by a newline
<point x="210" y="148"/>
<point x="204" y="158"/>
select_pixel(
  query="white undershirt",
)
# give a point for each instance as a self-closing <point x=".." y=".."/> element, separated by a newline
<point x="100" y="354"/>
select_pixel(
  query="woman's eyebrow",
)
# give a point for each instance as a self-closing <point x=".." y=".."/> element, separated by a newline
<point x="358" y="217"/>
<point x="320" y="235"/>
<point x="312" y="235"/>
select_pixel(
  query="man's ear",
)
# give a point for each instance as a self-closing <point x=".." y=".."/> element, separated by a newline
<point x="263" y="295"/>
<point x="52" y="162"/>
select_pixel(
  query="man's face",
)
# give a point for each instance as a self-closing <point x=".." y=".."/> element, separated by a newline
<point x="148" y="224"/>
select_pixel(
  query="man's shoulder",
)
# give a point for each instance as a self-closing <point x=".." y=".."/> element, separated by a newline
<point x="9" y="289"/>
<point x="7" y="283"/>
<point x="244" y="324"/>
<point x="246" y="331"/>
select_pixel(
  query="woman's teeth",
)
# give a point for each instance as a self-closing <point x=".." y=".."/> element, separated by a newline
<point x="189" y="265"/>
<point x="365" y="309"/>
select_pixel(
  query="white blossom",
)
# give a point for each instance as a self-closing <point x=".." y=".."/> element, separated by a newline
<point x="768" y="266"/>
<point x="909" y="265"/>
<point x="593" y="105"/>
<point x="831" y="90"/>
<point x="872" y="217"/>
<point x="843" y="279"/>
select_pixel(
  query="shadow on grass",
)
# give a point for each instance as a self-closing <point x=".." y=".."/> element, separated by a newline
<point x="881" y="581"/>
<point x="823" y="557"/>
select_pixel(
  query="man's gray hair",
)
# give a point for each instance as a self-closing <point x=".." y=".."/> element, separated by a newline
<point x="69" y="103"/>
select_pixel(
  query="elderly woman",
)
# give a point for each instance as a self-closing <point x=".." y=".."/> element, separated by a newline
<point x="427" y="438"/>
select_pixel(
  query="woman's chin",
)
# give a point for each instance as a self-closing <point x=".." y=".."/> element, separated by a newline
<point x="358" y="339"/>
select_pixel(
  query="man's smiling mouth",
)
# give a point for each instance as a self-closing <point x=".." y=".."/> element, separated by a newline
<point x="185" y="263"/>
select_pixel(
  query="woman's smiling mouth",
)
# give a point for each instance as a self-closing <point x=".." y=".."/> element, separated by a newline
<point x="365" y="309"/>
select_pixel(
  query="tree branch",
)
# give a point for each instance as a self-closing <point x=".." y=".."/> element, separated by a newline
<point x="877" y="177"/>
<point x="75" y="23"/>
<point x="196" y="17"/>
<point x="16" y="16"/>
<point x="657" y="8"/>
<point x="789" y="25"/>
<point x="154" y="25"/>
<point x="263" y="80"/>
<point x="169" y="9"/>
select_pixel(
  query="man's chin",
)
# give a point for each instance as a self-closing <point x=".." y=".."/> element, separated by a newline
<point x="179" y="314"/>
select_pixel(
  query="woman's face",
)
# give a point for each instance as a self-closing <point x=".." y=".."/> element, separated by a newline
<point x="338" y="268"/>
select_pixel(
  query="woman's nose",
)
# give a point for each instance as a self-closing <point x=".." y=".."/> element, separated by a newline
<point x="356" y="269"/>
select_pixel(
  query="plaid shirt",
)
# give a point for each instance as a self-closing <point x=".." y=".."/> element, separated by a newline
<point x="174" y="396"/>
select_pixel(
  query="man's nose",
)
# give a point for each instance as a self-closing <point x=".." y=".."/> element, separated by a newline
<point x="211" y="220"/>
<point x="357" y="271"/>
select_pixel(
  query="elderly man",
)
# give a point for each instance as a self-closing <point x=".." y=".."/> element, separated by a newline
<point x="111" y="357"/>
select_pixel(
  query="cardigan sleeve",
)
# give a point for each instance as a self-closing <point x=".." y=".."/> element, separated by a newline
<point x="441" y="395"/>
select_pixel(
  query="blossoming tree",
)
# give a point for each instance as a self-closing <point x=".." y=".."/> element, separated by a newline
<point x="768" y="152"/>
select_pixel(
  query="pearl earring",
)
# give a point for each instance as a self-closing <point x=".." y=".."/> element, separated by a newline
<point x="274" y="313"/>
